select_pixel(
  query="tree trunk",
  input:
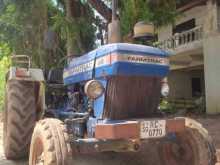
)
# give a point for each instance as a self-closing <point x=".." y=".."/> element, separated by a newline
<point x="71" y="14"/>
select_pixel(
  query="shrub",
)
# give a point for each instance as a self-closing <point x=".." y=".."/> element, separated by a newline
<point x="4" y="65"/>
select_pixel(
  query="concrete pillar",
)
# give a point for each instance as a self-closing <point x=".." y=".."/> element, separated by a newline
<point x="211" y="19"/>
<point x="212" y="58"/>
<point x="212" y="74"/>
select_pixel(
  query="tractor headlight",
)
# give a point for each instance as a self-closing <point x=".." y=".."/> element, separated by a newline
<point x="94" y="89"/>
<point x="165" y="90"/>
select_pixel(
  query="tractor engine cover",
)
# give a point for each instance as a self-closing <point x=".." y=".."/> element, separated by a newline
<point x="130" y="74"/>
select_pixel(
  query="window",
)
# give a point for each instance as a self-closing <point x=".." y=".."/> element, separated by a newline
<point x="188" y="25"/>
<point x="185" y="26"/>
<point x="196" y="87"/>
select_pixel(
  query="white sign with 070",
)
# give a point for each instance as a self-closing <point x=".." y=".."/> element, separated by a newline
<point x="152" y="129"/>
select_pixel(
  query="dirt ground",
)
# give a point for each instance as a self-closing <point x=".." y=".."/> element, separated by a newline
<point x="3" y="161"/>
<point x="211" y="123"/>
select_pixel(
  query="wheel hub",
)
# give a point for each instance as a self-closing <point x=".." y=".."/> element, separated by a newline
<point x="179" y="152"/>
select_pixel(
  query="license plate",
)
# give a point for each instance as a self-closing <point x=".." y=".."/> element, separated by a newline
<point x="152" y="129"/>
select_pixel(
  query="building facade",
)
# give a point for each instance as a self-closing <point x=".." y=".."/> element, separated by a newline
<point x="194" y="43"/>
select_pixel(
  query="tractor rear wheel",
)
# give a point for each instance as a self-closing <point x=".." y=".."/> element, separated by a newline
<point x="50" y="144"/>
<point x="19" y="118"/>
<point x="191" y="147"/>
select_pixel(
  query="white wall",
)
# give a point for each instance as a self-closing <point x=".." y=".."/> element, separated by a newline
<point x="212" y="74"/>
<point x="180" y="82"/>
<point x="199" y="13"/>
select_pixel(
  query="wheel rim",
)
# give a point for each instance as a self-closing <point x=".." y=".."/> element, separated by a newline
<point x="38" y="153"/>
<point x="180" y="152"/>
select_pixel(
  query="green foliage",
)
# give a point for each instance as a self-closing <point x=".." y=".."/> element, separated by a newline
<point x="80" y="29"/>
<point x="9" y="29"/>
<point x="4" y="50"/>
<point x="132" y="11"/>
<point x="166" y="107"/>
<point x="22" y="25"/>
<point x="4" y="65"/>
<point x="87" y="31"/>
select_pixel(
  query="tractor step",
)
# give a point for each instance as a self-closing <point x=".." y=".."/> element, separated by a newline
<point x="92" y="145"/>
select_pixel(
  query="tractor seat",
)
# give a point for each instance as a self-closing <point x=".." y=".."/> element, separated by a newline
<point x="55" y="76"/>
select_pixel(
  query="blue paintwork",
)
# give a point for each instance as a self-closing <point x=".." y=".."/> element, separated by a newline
<point x="91" y="123"/>
<point x="115" y="69"/>
<point x="83" y="59"/>
<point x="118" y="47"/>
<point x="119" y="68"/>
<point x="130" y="49"/>
<point x="85" y="76"/>
<point x="131" y="69"/>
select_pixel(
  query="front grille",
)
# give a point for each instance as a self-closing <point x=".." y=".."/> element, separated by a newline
<point x="131" y="97"/>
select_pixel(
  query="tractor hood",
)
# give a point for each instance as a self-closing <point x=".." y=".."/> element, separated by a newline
<point x="117" y="59"/>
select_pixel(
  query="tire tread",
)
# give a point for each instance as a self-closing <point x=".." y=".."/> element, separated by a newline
<point x="20" y="119"/>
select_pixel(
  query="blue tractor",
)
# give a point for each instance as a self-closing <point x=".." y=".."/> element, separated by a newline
<point x="106" y="100"/>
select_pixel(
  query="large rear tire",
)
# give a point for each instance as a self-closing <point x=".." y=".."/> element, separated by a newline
<point x="19" y="118"/>
<point x="191" y="147"/>
<point x="50" y="144"/>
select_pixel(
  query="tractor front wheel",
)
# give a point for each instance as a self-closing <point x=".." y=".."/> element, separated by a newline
<point x="191" y="147"/>
<point x="50" y="144"/>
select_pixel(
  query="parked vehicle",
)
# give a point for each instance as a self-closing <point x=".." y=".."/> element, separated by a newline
<point x="107" y="100"/>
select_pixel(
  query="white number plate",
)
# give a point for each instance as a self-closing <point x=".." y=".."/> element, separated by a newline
<point x="153" y="129"/>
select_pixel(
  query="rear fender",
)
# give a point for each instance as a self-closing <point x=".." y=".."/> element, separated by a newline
<point x="35" y="75"/>
<point x="32" y="75"/>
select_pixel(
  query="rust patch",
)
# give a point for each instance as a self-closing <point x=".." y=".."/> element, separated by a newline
<point x="131" y="129"/>
<point x="132" y="97"/>
<point x="126" y="130"/>
<point x="175" y="125"/>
